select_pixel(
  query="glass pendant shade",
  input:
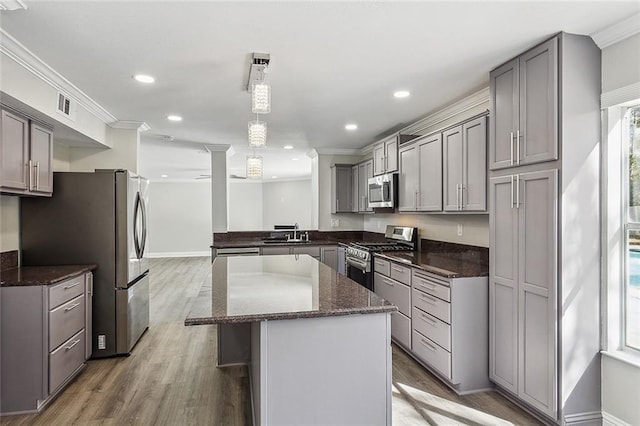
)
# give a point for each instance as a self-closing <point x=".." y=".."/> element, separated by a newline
<point x="257" y="134"/>
<point x="260" y="97"/>
<point x="254" y="167"/>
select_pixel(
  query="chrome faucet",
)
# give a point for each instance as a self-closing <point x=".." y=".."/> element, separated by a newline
<point x="295" y="231"/>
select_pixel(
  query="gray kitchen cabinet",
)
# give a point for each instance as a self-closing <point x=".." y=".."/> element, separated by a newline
<point x="544" y="225"/>
<point x="464" y="166"/>
<point x="26" y="155"/>
<point x="329" y="256"/>
<point x="355" y="190"/>
<point x="524" y="105"/>
<point x="43" y="340"/>
<point x="523" y="226"/>
<point x="385" y="156"/>
<point x="341" y="188"/>
<point x="420" y="176"/>
<point x="365" y="171"/>
<point x="267" y="251"/>
<point x="342" y="260"/>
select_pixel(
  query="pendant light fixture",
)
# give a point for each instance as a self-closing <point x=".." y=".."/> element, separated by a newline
<point x="257" y="133"/>
<point x="260" y="97"/>
<point x="254" y="167"/>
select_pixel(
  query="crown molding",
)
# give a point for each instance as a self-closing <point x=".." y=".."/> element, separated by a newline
<point x="9" y="5"/>
<point x="617" y="32"/>
<point x="475" y="99"/>
<point x="624" y="95"/>
<point x="132" y="125"/>
<point x="15" y="50"/>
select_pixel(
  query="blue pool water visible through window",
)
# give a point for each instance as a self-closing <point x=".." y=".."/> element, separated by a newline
<point x="634" y="268"/>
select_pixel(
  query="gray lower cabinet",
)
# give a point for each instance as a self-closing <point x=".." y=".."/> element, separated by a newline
<point x="326" y="254"/>
<point x="329" y="256"/>
<point x="44" y="341"/>
<point x="441" y="322"/>
<point x="26" y="156"/>
<point x="355" y="190"/>
<point x="523" y="336"/>
<point x="420" y="177"/>
<point x="464" y="166"/>
<point x="524" y="108"/>
<point x="341" y="188"/>
<point x="342" y="260"/>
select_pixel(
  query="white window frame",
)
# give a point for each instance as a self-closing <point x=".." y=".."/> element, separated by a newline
<point x="614" y="236"/>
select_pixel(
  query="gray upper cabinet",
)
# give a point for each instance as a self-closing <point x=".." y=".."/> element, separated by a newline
<point x="26" y="155"/>
<point x="14" y="152"/>
<point x="341" y="188"/>
<point x="355" y="189"/>
<point x="385" y="156"/>
<point x="524" y="109"/>
<point x="408" y="178"/>
<point x="522" y="313"/>
<point x="429" y="196"/>
<point x="365" y="171"/>
<point x="464" y="167"/>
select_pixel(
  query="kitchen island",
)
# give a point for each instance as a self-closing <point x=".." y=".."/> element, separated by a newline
<point x="318" y="345"/>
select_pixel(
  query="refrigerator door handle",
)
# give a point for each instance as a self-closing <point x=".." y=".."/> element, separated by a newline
<point x="143" y="211"/>
<point x="136" y="212"/>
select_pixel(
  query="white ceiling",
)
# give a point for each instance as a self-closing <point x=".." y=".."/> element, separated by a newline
<point x="331" y="63"/>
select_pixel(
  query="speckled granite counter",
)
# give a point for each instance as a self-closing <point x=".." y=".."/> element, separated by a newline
<point x="449" y="260"/>
<point x="41" y="275"/>
<point x="257" y="288"/>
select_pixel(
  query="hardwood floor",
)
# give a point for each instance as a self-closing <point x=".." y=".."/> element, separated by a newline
<point x="171" y="378"/>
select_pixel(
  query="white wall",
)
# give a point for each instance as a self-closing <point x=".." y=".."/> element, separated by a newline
<point x="287" y="202"/>
<point x="179" y="215"/>
<point x="620" y="379"/>
<point x="475" y="228"/>
<point x="245" y="206"/>
<point x="9" y="223"/>
<point x="347" y="221"/>
<point x="125" y="147"/>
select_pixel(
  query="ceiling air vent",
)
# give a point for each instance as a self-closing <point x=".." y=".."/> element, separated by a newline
<point x="66" y="106"/>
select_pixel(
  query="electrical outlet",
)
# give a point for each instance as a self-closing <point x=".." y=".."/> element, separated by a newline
<point x="335" y="223"/>
<point x="102" y="344"/>
<point x="459" y="230"/>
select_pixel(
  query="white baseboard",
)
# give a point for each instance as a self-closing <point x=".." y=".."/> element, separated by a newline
<point x="611" y="420"/>
<point x="179" y="254"/>
<point x="590" y="418"/>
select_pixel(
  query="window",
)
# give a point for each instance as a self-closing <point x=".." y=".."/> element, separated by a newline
<point x="631" y="290"/>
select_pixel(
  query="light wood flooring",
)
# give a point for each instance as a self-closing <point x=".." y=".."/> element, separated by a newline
<point x="171" y="378"/>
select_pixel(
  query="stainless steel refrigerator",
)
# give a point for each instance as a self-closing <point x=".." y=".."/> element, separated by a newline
<point x="97" y="218"/>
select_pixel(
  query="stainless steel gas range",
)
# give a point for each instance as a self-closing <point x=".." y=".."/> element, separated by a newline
<point x="360" y="254"/>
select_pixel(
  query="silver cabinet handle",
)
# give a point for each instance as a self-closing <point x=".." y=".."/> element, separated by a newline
<point x="457" y="196"/>
<point x="37" y="171"/>
<point x="388" y="282"/>
<point x="67" y="287"/>
<point x="428" y="299"/>
<point x="386" y="163"/>
<point x="75" y="305"/>
<point x="462" y="188"/>
<point x="30" y="180"/>
<point x="517" y="191"/>
<point x="431" y="287"/>
<point x="518" y="147"/>
<point x="67" y="348"/>
<point x="337" y="205"/>
<point x="429" y="320"/>
<point x="430" y="347"/>
<point x="512" y="200"/>
<point x="511" y="144"/>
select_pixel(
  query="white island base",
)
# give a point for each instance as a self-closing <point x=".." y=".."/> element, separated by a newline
<point x="333" y="370"/>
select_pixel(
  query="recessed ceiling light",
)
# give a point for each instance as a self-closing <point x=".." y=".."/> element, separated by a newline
<point x="401" y="94"/>
<point x="174" y="118"/>
<point x="294" y="159"/>
<point x="351" y="126"/>
<point x="274" y="177"/>
<point x="164" y="176"/>
<point x="288" y="147"/>
<point x="142" y="78"/>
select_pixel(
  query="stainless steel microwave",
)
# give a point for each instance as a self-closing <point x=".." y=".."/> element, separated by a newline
<point x="382" y="191"/>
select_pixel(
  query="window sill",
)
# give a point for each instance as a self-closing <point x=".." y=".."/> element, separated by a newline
<point x="627" y="357"/>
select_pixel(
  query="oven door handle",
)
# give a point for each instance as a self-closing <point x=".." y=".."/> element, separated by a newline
<point x="357" y="264"/>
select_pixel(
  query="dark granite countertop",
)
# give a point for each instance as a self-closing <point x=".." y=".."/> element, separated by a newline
<point x="448" y="265"/>
<point x="262" y="243"/>
<point x="257" y="288"/>
<point x="41" y="275"/>
<point x="238" y="239"/>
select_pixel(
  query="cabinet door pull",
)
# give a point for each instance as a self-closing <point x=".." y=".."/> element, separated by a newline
<point x="511" y="144"/>
<point x="517" y="191"/>
<point x="427" y="319"/>
<point x="430" y="347"/>
<point x="337" y="205"/>
<point x="395" y="268"/>
<point x="457" y="196"/>
<point x="30" y="180"/>
<point x="462" y="187"/>
<point x="512" y="198"/>
<point x="428" y="300"/>
<point x="388" y="282"/>
<point x="518" y="147"/>
<point x="75" y="305"/>
<point x="67" y="287"/>
<point x="37" y="172"/>
<point x="428" y="286"/>
<point x="67" y="348"/>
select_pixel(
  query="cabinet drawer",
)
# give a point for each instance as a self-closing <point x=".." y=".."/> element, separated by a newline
<point x="431" y="353"/>
<point x="432" y="285"/>
<point x="65" y="360"/>
<point x="401" y="273"/>
<point x="268" y="251"/>
<point x="65" y="291"/>
<point x="311" y="251"/>
<point x="394" y="292"/>
<point x="382" y="266"/>
<point x="401" y="329"/>
<point x="433" y="328"/>
<point x="65" y="321"/>
<point x="432" y="305"/>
